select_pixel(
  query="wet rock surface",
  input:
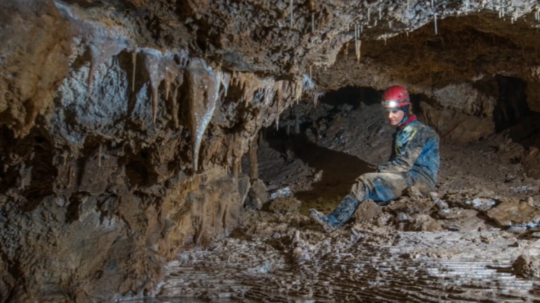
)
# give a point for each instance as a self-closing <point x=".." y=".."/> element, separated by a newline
<point x="361" y="263"/>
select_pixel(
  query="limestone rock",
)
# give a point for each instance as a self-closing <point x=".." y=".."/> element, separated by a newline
<point x="367" y="211"/>
<point x="465" y="98"/>
<point x="411" y="206"/>
<point x="514" y="213"/>
<point x="456" y="127"/>
<point x="527" y="267"/>
<point x="424" y="223"/>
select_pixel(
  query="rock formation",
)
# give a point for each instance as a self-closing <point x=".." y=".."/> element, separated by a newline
<point x="123" y="122"/>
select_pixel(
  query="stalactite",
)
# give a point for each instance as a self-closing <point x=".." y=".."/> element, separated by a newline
<point x="134" y="63"/>
<point x="315" y="99"/>
<point x="390" y="24"/>
<point x="174" y="106"/>
<point x="408" y="4"/>
<point x="368" y="14"/>
<point x="152" y="65"/>
<point x="296" y="121"/>
<point x="278" y="96"/>
<point x="99" y="154"/>
<point x="380" y="13"/>
<point x="435" y="23"/>
<point x="160" y="66"/>
<point x="174" y="102"/>
<point x="167" y="88"/>
<point x="204" y="84"/>
<point x="226" y="82"/>
<point x="356" y="40"/>
<point x="101" y="52"/>
<point x="154" y="103"/>
<point x="90" y="73"/>
<point x="236" y="169"/>
<point x="296" y="98"/>
<point x="299" y="89"/>
<point x="359" y="50"/>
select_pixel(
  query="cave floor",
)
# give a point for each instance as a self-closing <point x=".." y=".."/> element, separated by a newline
<point x="280" y="255"/>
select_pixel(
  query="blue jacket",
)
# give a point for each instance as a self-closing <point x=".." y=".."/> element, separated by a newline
<point x="415" y="152"/>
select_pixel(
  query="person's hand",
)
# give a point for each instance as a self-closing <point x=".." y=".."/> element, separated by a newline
<point x="373" y="167"/>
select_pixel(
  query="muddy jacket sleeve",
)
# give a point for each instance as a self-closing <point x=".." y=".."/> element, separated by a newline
<point x="408" y="146"/>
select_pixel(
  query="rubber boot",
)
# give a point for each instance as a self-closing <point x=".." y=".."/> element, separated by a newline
<point x="339" y="216"/>
<point x="329" y="224"/>
<point x="345" y="209"/>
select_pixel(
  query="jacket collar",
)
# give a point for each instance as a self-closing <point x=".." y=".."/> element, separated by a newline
<point x="404" y="123"/>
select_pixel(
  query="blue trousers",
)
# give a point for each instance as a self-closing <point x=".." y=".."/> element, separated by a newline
<point x="380" y="187"/>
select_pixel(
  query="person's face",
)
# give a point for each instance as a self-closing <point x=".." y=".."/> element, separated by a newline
<point x="395" y="116"/>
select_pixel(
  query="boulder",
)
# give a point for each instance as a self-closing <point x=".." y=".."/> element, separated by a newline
<point x="511" y="213"/>
<point x="367" y="211"/>
<point x="527" y="267"/>
<point x="456" y="127"/>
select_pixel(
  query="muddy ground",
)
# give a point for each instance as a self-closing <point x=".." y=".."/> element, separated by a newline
<point x="474" y="238"/>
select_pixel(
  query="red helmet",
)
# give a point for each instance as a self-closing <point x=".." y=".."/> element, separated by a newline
<point x="395" y="97"/>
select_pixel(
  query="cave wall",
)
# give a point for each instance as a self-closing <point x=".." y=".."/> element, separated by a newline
<point x="116" y="157"/>
<point x="123" y="122"/>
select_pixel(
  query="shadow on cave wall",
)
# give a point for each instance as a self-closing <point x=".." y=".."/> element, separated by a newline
<point x="340" y="169"/>
<point x="512" y="114"/>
